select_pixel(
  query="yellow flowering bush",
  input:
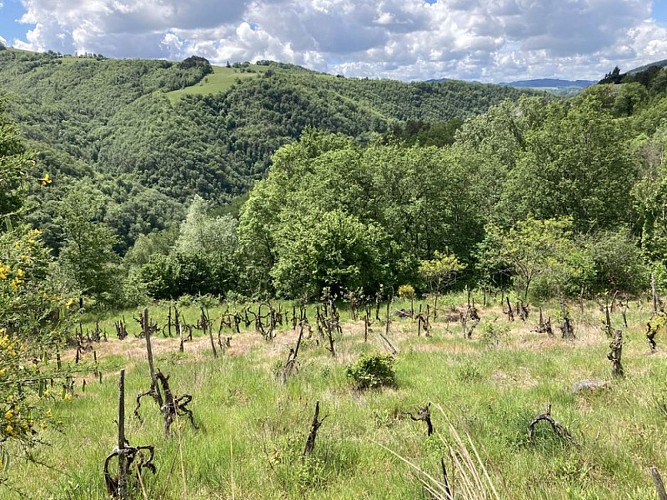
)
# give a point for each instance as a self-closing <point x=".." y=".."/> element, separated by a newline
<point x="22" y="394"/>
<point x="32" y="305"/>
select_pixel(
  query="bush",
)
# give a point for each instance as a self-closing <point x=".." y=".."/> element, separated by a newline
<point x="373" y="371"/>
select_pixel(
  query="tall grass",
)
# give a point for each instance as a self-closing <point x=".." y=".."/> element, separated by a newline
<point x="254" y="427"/>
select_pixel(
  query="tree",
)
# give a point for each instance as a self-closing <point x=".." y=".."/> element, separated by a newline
<point x="540" y="249"/>
<point x="202" y="234"/>
<point x="618" y="262"/>
<point x="331" y="249"/>
<point x="207" y="246"/>
<point x="87" y="255"/>
<point x="576" y="164"/>
<point x="14" y="167"/>
<point x="440" y="272"/>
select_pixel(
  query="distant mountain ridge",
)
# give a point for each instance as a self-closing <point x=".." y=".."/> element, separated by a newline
<point x="553" y="85"/>
<point x="639" y="69"/>
<point x="549" y="82"/>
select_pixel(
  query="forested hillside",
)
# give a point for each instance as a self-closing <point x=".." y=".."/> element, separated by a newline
<point x="151" y="134"/>
<point x="370" y="178"/>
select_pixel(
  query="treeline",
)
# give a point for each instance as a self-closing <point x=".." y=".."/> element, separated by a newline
<point x="371" y="185"/>
<point x="111" y="123"/>
<point x="547" y="197"/>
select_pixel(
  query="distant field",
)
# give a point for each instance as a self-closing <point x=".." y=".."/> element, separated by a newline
<point x="221" y="79"/>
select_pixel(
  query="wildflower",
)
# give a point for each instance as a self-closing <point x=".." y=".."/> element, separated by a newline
<point x="46" y="180"/>
<point x="9" y="414"/>
<point x="9" y="429"/>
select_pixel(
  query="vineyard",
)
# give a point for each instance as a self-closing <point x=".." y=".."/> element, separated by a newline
<point x="346" y="399"/>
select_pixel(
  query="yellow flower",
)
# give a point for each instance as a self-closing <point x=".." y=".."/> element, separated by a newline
<point x="46" y="180"/>
<point x="67" y="397"/>
<point x="9" y="414"/>
<point x="43" y="425"/>
<point x="4" y="270"/>
<point x="9" y="429"/>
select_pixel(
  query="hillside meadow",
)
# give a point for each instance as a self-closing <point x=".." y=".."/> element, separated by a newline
<point x="252" y="426"/>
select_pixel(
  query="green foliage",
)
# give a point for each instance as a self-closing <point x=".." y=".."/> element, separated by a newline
<point x="406" y="292"/>
<point x="115" y="121"/>
<point x="327" y="250"/>
<point x="618" y="262"/>
<point x="539" y="250"/>
<point x="160" y="276"/>
<point x="147" y="245"/>
<point x="380" y="209"/>
<point x="14" y="165"/>
<point x="372" y="371"/>
<point x="33" y="308"/>
<point x="441" y="271"/>
<point x="494" y="334"/>
<point x="576" y="164"/>
<point x="88" y="255"/>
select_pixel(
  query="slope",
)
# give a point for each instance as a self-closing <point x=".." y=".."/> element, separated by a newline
<point x="180" y="129"/>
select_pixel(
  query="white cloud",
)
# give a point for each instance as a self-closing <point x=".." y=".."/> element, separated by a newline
<point x="490" y="40"/>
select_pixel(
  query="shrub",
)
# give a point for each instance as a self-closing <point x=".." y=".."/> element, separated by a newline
<point x="494" y="334"/>
<point x="406" y="292"/>
<point x="372" y="371"/>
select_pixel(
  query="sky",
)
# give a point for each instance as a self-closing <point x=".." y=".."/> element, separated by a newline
<point x="483" y="40"/>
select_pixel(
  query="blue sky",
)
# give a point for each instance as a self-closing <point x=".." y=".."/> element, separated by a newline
<point x="487" y="40"/>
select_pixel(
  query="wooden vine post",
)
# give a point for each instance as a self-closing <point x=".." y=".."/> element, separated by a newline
<point x="560" y="430"/>
<point x="566" y="326"/>
<point x="291" y="364"/>
<point x="170" y="406"/>
<point x="119" y="487"/>
<point x="424" y="415"/>
<point x="616" y="349"/>
<point x="206" y="325"/>
<point x="122" y="458"/>
<point x="151" y="366"/>
<point x="314" y="427"/>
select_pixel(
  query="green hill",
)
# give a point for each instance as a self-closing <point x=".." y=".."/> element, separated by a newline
<point x="166" y="131"/>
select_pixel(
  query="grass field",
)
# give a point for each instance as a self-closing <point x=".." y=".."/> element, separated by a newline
<point x="253" y="428"/>
<point x="220" y="80"/>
